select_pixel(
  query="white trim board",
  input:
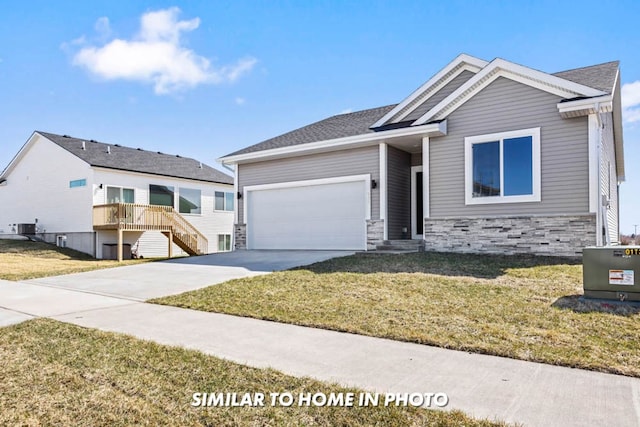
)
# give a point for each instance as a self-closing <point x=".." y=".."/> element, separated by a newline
<point x="461" y="63"/>
<point x="383" y="188"/>
<point x="431" y="129"/>
<point x="501" y="68"/>
<point x="535" y="168"/>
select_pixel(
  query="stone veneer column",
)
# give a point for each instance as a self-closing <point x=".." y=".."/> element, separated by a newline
<point x="375" y="233"/>
<point x="240" y="236"/>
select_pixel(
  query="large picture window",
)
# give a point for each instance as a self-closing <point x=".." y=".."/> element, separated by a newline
<point x="503" y="167"/>
<point x="189" y="201"/>
<point x="224" y="201"/>
<point x="161" y="195"/>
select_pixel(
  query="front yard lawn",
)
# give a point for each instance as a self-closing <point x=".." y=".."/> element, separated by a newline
<point x="23" y="259"/>
<point x="520" y="307"/>
<point x="58" y="374"/>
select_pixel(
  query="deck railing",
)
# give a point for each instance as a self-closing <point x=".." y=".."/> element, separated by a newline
<point x="137" y="217"/>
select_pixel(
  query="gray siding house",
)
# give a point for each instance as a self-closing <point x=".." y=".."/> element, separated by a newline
<point x="487" y="157"/>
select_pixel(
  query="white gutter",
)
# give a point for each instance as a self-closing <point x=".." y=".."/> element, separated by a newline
<point x="432" y="129"/>
<point x="583" y="107"/>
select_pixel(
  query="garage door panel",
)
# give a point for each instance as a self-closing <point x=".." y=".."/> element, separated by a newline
<point x="326" y="216"/>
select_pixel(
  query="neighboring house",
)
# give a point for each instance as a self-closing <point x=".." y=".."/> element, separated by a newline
<point x="89" y="196"/>
<point x="483" y="157"/>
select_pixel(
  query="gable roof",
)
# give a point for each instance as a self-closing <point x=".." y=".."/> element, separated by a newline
<point x="338" y="126"/>
<point x="586" y="82"/>
<point x="114" y="156"/>
<point x="600" y="76"/>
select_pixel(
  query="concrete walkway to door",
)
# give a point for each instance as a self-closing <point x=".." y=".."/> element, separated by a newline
<point x="532" y="394"/>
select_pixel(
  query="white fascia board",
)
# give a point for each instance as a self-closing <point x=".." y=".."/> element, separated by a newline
<point x="20" y="154"/>
<point x="462" y="61"/>
<point x="159" y="176"/>
<point x="501" y="68"/>
<point x="583" y="107"/>
<point x="431" y="129"/>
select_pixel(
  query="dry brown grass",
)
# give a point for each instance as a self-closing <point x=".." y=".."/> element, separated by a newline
<point x="58" y="374"/>
<point x="23" y="259"/>
<point x="520" y="307"/>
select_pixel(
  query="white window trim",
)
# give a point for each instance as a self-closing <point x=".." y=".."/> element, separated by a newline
<point x="225" y="241"/>
<point x="235" y="202"/>
<point x="188" y="213"/>
<point x="106" y="192"/>
<point x="500" y="136"/>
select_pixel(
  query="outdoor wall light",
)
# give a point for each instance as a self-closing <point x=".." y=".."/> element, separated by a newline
<point x="100" y="186"/>
<point x="374" y="184"/>
<point x="239" y="195"/>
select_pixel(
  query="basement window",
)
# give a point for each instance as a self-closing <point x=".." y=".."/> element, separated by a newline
<point x="224" y="242"/>
<point x="503" y="167"/>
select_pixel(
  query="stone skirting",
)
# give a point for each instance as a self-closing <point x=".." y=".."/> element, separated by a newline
<point x="375" y="233"/>
<point x="563" y="235"/>
<point x="240" y="236"/>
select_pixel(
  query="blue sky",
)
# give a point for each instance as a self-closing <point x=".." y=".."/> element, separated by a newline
<point x="235" y="73"/>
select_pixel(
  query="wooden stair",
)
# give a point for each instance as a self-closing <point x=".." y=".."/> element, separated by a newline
<point x="185" y="235"/>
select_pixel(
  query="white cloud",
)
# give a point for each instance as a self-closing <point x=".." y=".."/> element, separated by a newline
<point x="156" y="55"/>
<point x="240" y="101"/>
<point x="631" y="102"/>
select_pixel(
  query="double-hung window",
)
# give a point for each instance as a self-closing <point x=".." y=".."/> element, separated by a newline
<point x="503" y="167"/>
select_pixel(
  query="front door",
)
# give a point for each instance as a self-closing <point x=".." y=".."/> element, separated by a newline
<point x="417" y="205"/>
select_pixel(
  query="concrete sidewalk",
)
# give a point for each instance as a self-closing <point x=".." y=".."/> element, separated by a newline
<point x="482" y="386"/>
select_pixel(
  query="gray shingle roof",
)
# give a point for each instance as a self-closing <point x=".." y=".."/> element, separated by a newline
<point x="138" y="160"/>
<point x="600" y="76"/>
<point x="339" y="126"/>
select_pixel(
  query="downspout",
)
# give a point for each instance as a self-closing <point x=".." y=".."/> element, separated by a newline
<point x="600" y="212"/>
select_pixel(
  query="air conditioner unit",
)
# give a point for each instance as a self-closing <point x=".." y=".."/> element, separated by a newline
<point x="27" y="229"/>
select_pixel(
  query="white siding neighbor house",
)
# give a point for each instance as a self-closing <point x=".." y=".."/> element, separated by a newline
<point x="88" y="195"/>
<point x="486" y="156"/>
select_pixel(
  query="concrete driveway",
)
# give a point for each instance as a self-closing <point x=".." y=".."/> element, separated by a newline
<point x="155" y="279"/>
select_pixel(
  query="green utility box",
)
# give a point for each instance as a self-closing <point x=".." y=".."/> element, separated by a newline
<point x="612" y="272"/>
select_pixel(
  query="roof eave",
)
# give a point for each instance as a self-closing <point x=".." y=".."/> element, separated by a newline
<point x="584" y="107"/>
<point x="429" y="129"/>
<point x="502" y="68"/>
<point x="160" y="174"/>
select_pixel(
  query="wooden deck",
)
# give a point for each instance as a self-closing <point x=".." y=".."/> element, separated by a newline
<point x="136" y="217"/>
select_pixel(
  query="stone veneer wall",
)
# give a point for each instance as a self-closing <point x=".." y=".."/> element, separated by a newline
<point x="563" y="235"/>
<point x="240" y="236"/>
<point x="375" y="233"/>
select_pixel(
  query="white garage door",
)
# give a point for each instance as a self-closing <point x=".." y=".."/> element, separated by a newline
<point x="320" y="216"/>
